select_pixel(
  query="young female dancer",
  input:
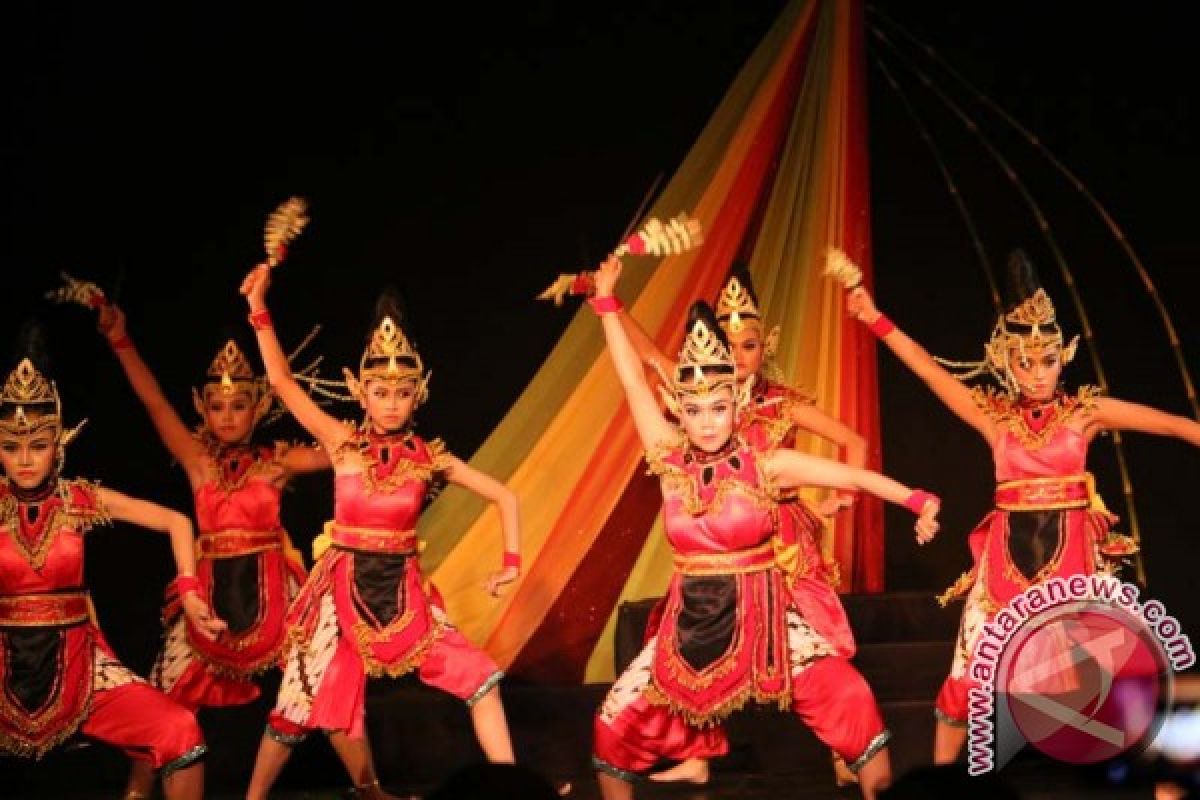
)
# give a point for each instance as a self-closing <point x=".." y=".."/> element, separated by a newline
<point x="729" y="633"/>
<point x="774" y="417"/>
<point x="247" y="567"/>
<point x="1048" y="521"/>
<point x="59" y="675"/>
<point x="365" y="609"/>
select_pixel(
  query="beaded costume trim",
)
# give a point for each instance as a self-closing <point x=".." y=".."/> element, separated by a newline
<point x="1005" y="410"/>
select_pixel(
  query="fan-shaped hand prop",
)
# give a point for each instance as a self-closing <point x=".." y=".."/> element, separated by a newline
<point x="283" y="226"/>
<point x="84" y="293"/>
<point x="839" y="267"/>
<point x="679" y="235"/>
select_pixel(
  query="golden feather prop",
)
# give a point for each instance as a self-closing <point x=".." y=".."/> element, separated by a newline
<point x="839" y="267"/>
<point x="679" y="234"/>
<point x="73" y="290"/>
<point x="283" y="225"/>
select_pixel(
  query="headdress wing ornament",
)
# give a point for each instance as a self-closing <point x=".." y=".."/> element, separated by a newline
<point x="283" y="226"/>
<point x="25" y="387"/>
<point x="73" y="290"/>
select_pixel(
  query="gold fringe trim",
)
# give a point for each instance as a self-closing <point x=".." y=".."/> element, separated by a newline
<point x="957" y="589"/>
<point x="379" y="669"/>
<point x="708" y="718"/>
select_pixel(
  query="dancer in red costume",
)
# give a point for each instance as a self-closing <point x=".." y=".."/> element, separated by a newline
<point x="365" y="609"/>
<point x="59" y="675"/>
<point x="247" y="566"/>
<point x="1048" y="521"/>
<point x="730" y="633"/>
<point x="776" y="415"/>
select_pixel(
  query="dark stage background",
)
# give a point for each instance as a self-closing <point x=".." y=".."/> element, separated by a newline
<point x="467" y="155"/>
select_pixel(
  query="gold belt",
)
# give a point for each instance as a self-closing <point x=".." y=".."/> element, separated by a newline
<point x="232" y="543"/>
<point x="1045" y="494"/>
<point x="735" y="562"/>
<point x="44" y="610"/>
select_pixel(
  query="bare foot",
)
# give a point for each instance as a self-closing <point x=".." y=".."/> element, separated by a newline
<point x="841" y="773"/>
<point x="694" y="770"/>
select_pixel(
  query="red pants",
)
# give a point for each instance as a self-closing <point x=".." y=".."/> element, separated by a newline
<point x="146" y="724"/>
<point x="451" y="664"/>
<point x="828" y="694"/>
<point x="951" y="704"/>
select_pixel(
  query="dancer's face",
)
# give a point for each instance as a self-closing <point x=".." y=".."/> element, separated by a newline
<point x="28" y="458"/>
<point x="747" y="348"/>
<point x="229" y="417"/>
<point x="1036" y="371"/>
<point x="708" y="420"/>
<point x="389" y="404"/>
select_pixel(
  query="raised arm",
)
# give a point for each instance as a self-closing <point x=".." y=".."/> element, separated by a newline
<point x="327" y="430"/>
<point x="791" y="469"/>
<point x="652" y="426"/>
<point x="643" y="345"/>
<point x="179" y="528"/>
<point x="1112" y="414"/>
<point x="175" y="435"/>
<point x="487" y="487"/>
<point x="953" y="394"/>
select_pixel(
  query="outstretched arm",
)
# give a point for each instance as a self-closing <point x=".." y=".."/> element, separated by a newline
<point x="791" y="469"/>
<point x="945" y="386"/>
<point x="327" y="430"/>
<point x="306" y="458"/>
<point x="652" y="427"/>
<point x="487" y="487"/>
<point x="854" y="446"/>
<point x="179" y="528"/>
<point x="171" y="429"/>
<point x="1113" y="414"/>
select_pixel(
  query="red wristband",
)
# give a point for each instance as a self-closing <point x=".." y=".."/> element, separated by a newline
<point x="186" y="584"/>
<point x="122" y="342"/>
<point x="609" y="304"/>
<point x="259" y="320"/>
<point x="512" y="560"/>
<point x="882" y="326"/>
<point x="918" y="499"/>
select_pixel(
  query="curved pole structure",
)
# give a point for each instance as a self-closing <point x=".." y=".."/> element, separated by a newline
<point x="1117" y="233"/>
<point x="951" y="185"/>
<point x="1056" y="252"/>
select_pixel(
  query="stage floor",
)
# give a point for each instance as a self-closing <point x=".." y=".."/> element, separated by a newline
<point x="421" y="736"/>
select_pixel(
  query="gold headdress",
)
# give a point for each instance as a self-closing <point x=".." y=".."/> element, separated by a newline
<point x="26" y="387"/>
<point x="736" y="308"/>
<point x="389" y="356"/>
<point x="705" y="366"/>
<point x="229" y="373"/>
<point x="37" y="406"/>
<point x="1029" y="328"/>
<point x="737" y="311"/>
